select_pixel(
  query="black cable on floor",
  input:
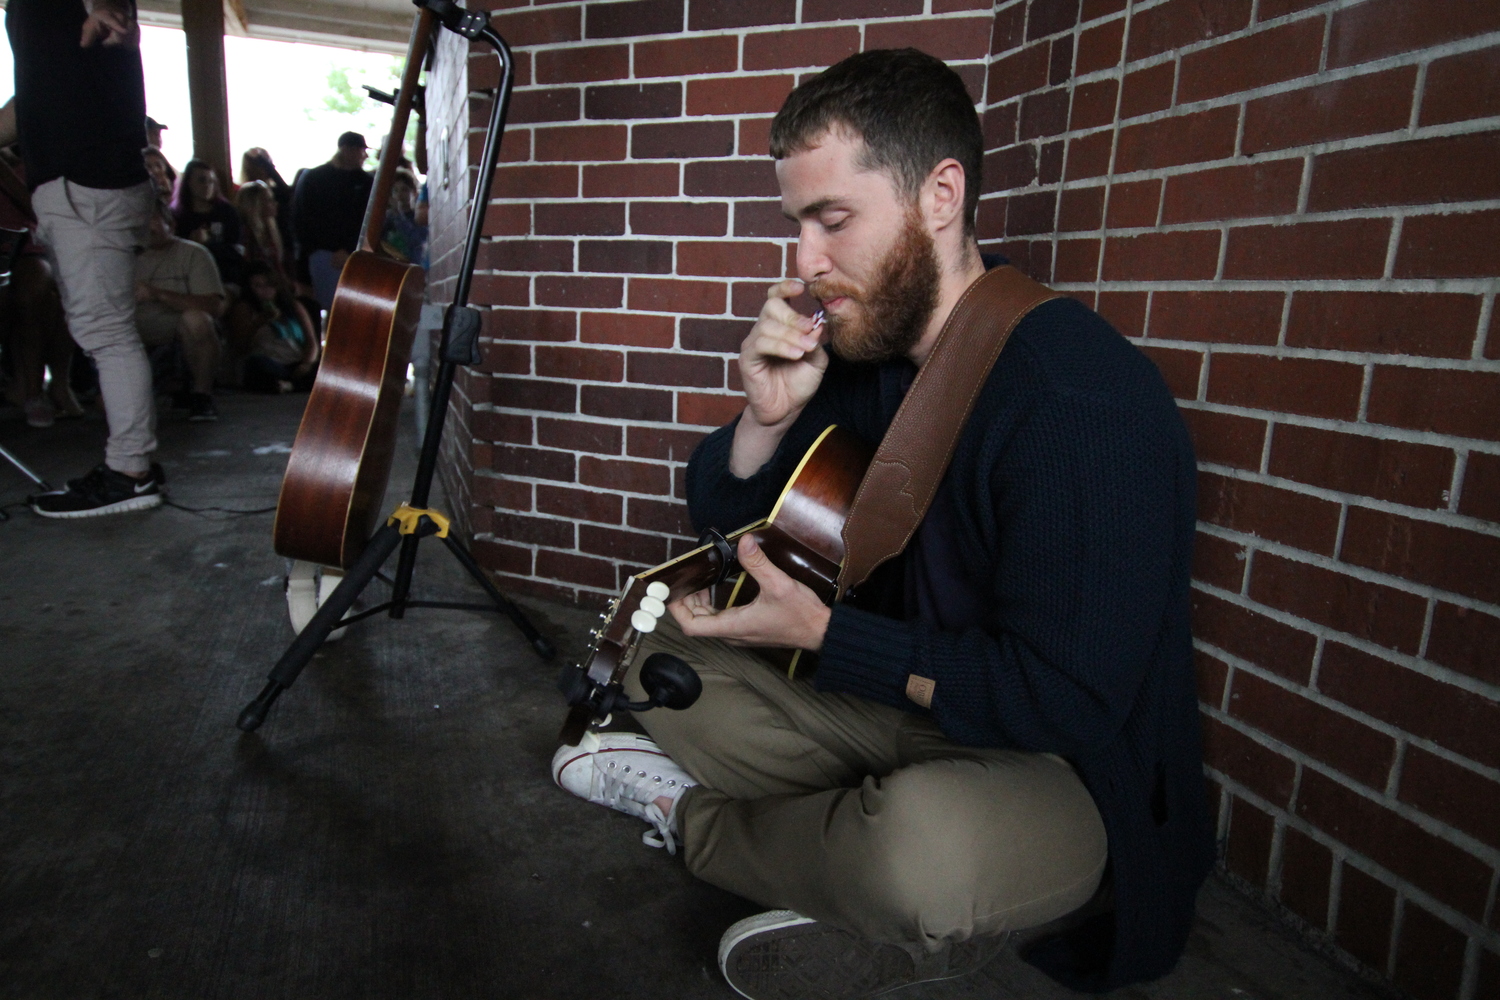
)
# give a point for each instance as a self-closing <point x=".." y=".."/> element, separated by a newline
<point x="231" y="511"/>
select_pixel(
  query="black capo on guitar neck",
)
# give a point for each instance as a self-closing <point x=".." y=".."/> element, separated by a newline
<point x="728" y="557"/>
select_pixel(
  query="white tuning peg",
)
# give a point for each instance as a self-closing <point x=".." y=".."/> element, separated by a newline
<point x="658" y="590"/>
<point x="643" y="621"/>
<point x="653" y="605"/>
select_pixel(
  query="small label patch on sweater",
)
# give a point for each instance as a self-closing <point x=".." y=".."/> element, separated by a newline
<point x="919" y="689"/>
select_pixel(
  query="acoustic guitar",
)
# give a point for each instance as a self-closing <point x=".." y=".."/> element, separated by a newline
<point x="336" y="478"/>
<point x="802" y="536"/>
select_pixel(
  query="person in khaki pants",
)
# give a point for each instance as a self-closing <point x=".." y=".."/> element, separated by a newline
<point x="1011" y="740"/>
<point x="178" y="297"/>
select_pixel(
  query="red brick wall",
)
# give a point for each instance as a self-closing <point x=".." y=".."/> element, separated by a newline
<point x="1293" y="206"/>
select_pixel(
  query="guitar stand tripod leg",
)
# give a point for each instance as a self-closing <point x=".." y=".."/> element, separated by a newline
<point x="301" y="651"/>
<point x="539" y="642"/>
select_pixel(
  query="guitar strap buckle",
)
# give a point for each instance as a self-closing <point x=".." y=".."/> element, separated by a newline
<point x="410" y="520"/>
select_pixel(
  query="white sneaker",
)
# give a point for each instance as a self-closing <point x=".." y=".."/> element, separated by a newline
<point x="781" y="955"/>
<point x="628" y="773"/>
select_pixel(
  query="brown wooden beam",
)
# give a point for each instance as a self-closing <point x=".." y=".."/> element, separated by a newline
<point x="203" y="23"/>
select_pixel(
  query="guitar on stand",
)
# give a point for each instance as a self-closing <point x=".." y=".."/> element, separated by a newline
<point x="340" y="463"/>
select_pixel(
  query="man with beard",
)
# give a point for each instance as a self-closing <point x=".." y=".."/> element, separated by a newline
<point x="1014" y="741"/>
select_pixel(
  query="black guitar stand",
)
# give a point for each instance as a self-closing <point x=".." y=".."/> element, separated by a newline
<point x="412" y="521"/>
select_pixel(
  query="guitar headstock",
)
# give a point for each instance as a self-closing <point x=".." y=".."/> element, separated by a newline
<point x="634" y="613"/>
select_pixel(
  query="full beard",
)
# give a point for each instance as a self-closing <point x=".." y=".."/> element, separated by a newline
<point x="891" y="313"/>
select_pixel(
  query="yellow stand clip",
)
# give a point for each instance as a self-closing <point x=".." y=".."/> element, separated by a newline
<point x="410" y="518"/>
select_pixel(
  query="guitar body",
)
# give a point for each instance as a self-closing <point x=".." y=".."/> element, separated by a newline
<point x="340" y="465"/>
<point x="803" y="536"/>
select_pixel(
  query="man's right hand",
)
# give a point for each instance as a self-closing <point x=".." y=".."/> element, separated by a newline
<point x="782" y="363"/>
<point x="110" y="22"/>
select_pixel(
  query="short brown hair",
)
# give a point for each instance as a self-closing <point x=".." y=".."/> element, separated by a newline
<point x="910" y="110"/>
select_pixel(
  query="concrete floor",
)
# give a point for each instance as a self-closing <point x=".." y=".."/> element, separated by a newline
<point x="392" y="830"/>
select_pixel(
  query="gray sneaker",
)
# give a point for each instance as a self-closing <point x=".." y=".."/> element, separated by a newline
<point x="781" y="955"/>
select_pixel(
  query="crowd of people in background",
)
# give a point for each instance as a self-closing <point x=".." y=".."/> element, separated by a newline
<point x="174" y="284"/>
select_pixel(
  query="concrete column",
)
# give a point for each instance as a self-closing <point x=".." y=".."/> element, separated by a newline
<point x="203" y="23"/>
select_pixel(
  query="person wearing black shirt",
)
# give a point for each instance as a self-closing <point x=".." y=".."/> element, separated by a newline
<point x="81" y="120"/>
<point x="205" y="216"/>
<point x="1014" y="741"/>
<point x="328" y="208"/>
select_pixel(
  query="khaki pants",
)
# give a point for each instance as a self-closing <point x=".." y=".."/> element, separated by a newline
<point x="160" y="324"/>
<point x="864" y="816"/>
<point x="91" y="236"/>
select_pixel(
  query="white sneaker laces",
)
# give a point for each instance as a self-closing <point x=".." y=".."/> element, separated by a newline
<point x="635" y="790"/>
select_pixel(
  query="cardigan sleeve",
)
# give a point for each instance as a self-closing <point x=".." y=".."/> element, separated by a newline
<point x="1085" y="497"/>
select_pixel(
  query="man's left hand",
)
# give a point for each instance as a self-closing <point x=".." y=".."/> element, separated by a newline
<point x="110" y="22"/>
<point x="785" y="615"/>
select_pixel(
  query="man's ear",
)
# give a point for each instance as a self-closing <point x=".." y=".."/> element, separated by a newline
<point x="943" y="194"/>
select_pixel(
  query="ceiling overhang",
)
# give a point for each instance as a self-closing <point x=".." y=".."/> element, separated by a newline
<point x="372" y="25"/>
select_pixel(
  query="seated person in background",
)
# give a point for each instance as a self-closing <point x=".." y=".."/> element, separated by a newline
<point x="163" y="177"/>
<point x="178" y="296"/>
<point x="256" y="165"/>
<point x="257" y="207"/>
<point x="204" y="216"/>
<point x="403" y="233"/>
<point x="276" y="331"/>
<point x="35" y="329"/>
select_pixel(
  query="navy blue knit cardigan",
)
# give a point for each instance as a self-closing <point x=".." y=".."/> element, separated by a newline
<point x="1072" y="500"/>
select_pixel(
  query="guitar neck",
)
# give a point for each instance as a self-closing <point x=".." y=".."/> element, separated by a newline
<point x="390" y="156"/>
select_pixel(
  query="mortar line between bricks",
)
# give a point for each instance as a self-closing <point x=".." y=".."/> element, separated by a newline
<point x="1335" y="891"/>
<point x="1282" y="219"/>
<point x="1393" y="779"/>
<point x="1494" y="900"/>
<point x="1324" y="74"/>
<point x="1338" y="534"/>
<point x="1426" y="668"/>
<point x="577" y="519"/>
<point x="1456" y="481"/>
<point x="1221" y="826"/>
<point x="1274" y="855"/>
<point x="1469" y="983"/>
<point x="1326" y="354"/>
<point x="1486" y="322"/>
<point x="1465" y="286"/>
<point x="1395" y="136"/>
<point x="1366" y="385"/>
<point x="1427" y="824"/>
<point x="1294" y="554"/>
<point x="1203" y="372"/>
<point x="1393" y="244"/>
<point x="1427" y="617"/>
<point x="1443" y="832"/>
<point x="1398" y="915"/>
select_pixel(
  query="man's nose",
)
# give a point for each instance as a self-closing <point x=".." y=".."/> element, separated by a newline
<point x="812" y="258"/>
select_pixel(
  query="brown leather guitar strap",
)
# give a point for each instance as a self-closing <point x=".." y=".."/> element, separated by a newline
<point x="912" y="457"/>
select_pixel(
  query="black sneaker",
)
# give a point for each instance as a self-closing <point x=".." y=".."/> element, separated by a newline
<point x="781" y="955"/>
<point x="201" y="407"/>
<point x="102" y="491"/>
